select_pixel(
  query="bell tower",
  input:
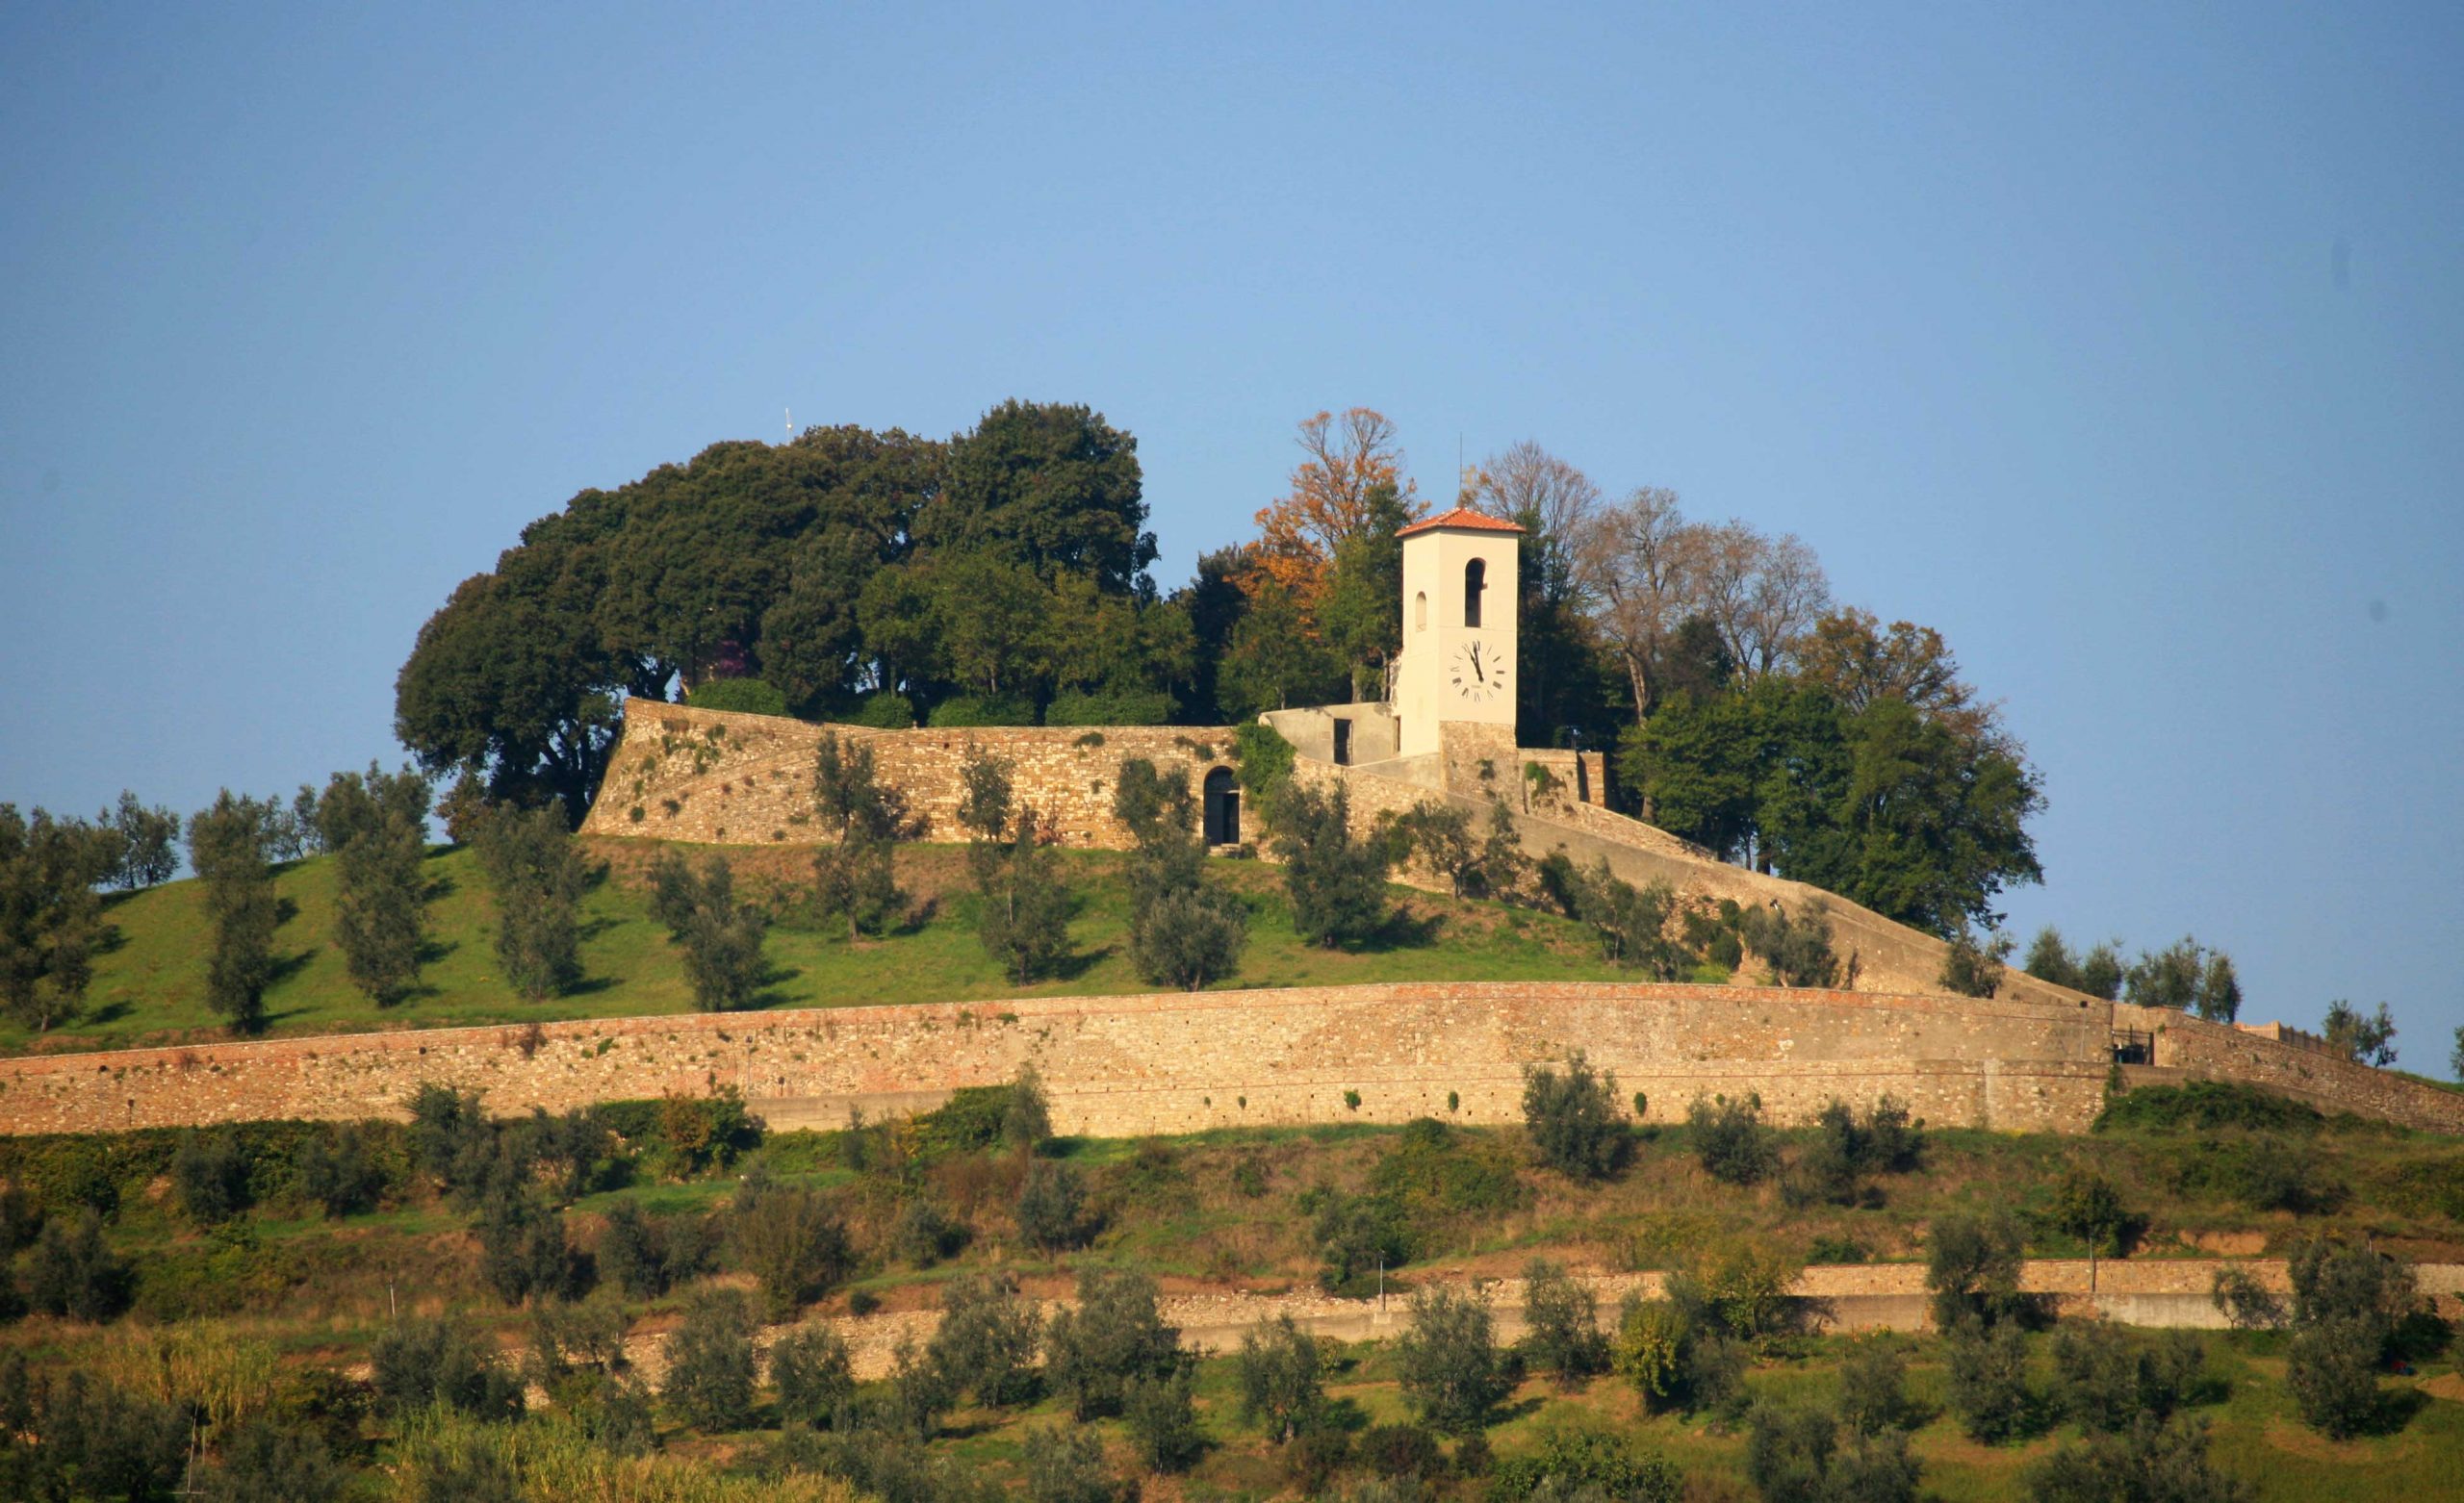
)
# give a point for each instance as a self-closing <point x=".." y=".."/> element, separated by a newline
<point x="1458" y="660"/>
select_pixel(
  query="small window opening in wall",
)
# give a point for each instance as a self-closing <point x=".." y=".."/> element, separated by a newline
<point x="1343" y="742"/>
<point x="1475" y="579"/>
<point x="1420" y="611"/>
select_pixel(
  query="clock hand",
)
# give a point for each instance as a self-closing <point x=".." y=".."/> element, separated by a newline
<point x="1476" y="664"/>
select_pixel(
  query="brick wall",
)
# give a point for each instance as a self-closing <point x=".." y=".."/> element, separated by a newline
<point x="711" y="775"/>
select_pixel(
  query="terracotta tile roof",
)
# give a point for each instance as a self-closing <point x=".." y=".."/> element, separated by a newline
<point x="1460" y="517"/>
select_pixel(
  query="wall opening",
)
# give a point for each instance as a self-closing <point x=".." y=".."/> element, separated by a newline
<point x="1475" y="579"/>
<point x="1222" y="813"/>
<point x="1419" y="610"/>
<point x="1343" y="742"/>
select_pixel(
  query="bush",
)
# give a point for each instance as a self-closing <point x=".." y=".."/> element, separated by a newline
<point x="1264" y="762"/>
<point x="1651" y="1348"/>
<point x="210" y="1177"/>
<point x="1068" y="1466"/>
<point x="1051" y="1208"/>
<point x="646" y="1256"/>
<point x="2247" y="1303"/>
<point x="97" y="1440"/>
<point x="263" y="1463"/>
<point x="2087" y="1206"/>
<point x="1337" y="883"/>
<point x="1092" y="1353"/>
<point x="1280" y="1373"/>
<point x="1404" y="1452"/>
<point x="1797" y="951"/>
<point x="792" y="1241"/>
<point x="1357" y="1236"/>
<point x="885" y="712"/>
<point x="339" y="1171"/>
<point x="421" y="1364"/>
<point x="1796" y="1455"/>
<point x="1972" y="1269"/>
<point x="1973" y="968"/>
<point x="710" y="1363"/>
<point x="1562" y="1320"/>
<point x="815" y="1377"/>
<point x="1584" y="1462"/>
<point x="2153" y="1459"/>
<point x="1873" y="1388"/>
<point x="1573" y="1118"/>
<point x="743" y="696"/>
<point x="1446" y="1363"/>
<point x="1189" y="936"/>
<point x="987" y="1338"/>
<point x="1109" y="707"/>
<point x="1843" y="1149"/>
<point x="1989" y="1381"/>
<point x="2109" y="1377"/>
<point x="522" y="1251"/>
<point x="1161" y="1422"/>
<point x="73" y="1271"/>
<point x="2332" y="1368"/>
<point x="2204" y="1106"/>
<point x="923" y="1235"/>
<point x="1314" y="1457"/>
<point x="1729" y="1138"/>
<point x="965" y="710"/>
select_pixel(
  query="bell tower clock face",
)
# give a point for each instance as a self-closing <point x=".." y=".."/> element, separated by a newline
<point x="1477" y="671"/>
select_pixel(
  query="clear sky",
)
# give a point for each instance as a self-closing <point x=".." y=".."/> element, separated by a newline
<point x="2125" y="349"/>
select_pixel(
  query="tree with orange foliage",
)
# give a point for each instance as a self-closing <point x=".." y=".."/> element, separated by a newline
<point x="1333" y="496"/>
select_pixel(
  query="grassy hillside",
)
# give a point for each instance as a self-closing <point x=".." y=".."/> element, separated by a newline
<point x="149" y="989"/>
<point x="1236" y="1212"/>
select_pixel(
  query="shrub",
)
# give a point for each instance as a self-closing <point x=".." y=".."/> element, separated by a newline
<point x="792" y="1241"/>
<point x="1729" y="1138"/>
<point x="97" y="1440"/>
<point x="743" y="696"/>
<point x="522" y="1251"/>
<point x="923" y="1235"/>
<point x="421" y="1364"/>
<point x="1400" y="1452"/>
<point x="1162" y="1420"/>
<point x="1736" y="1285"/>
<point x="1051" y="1208"/>
<point x="646" y="1256"/>
<point x="1797" y="951"/>
<point x="1026" y="1113"/>
<point x="263" y="1463"/>
<point x="2204" y="1106"/>
<point x="210" y="1177"/>
<point x="1337" y="883"/>
<point x="815" y="1377"/>
<point x="1356" y="1236"/>
<point x="1873" y="1388"/>
<point x="1989" y="1381"/>
<point x="1313" y="1458"/>
<point x="2164" y="1461"/>
<point x="1092" y="1353"/>
<point x="1797" y="1455"/>
<point x="916" y="1396"/>
<point x="1068" y="1466"/>
<point x="2247" y="1303"/>
<point x="74" y="1272"/>
<point x="1109" y="707"/>
<point x="1446" y="1363"/>
<point x="1583" y="1462"/>
<point x="987" y="1338"/>
<point x="1265" y="764"/>
<point x="1189" y="936"/>
<point x="2087" y="1206"/>
<point x="967" y="710"/>
<point x="2110" y="1377"/>
<point x="1562" y="1320"/>
<point x="1973" y="968"/>
<point x="1573" y="1118"/>
<point x="1972" y="1268"/>
<point x="1653" y="1341"/>
<point x="886" y="712"/>
<point x="710" y="1362"/>
<point x="338" y="1170"/>
<point x="1281" y="1375"/>
<point x="2332" y="1368"/>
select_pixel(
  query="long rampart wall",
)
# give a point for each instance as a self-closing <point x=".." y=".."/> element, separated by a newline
<point x="2193" y="1047"/>
<point x="1182" y="1062"/>
<point x="1174" y="1062"/>
<point x="717" y="777"/>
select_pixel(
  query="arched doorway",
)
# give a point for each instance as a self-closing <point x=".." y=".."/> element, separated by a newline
<point x="1223" y="811"/>
<point x="1475" y="579"/>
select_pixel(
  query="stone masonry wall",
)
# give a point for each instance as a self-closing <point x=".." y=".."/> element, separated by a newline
<point x="711" y="775"/>
<point x="1175" y="1063"/>
<point x="2191" y="1047"/>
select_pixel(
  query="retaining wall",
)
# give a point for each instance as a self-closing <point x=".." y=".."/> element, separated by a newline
<point x="1173" y="1063"/>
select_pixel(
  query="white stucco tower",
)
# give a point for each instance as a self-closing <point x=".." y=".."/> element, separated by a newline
<point x="1458" y="661"/>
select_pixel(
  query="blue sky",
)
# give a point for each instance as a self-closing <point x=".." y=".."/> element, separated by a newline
<point x="2125" y="347"/>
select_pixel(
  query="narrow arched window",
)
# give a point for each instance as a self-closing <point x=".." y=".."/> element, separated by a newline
<point x="1475" y="579"/>
<point x="1420" y="611"/>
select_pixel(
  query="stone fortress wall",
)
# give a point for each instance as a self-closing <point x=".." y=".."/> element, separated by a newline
<point x="714" y="777"/>
<point x="1183" y="1063"/>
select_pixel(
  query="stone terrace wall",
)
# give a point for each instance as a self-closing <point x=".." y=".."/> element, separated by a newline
<point x="1126" y="1065"/>
<point x="711" y="775"/>
<point x="2187" y="1047"/>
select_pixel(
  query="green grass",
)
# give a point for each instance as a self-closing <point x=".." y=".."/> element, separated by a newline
<point x="150" y="986"/>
